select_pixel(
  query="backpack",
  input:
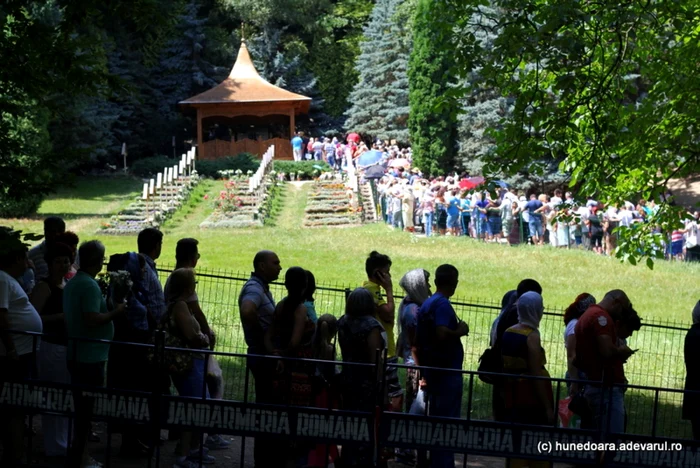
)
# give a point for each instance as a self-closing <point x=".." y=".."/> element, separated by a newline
<point x="174" y="362"/>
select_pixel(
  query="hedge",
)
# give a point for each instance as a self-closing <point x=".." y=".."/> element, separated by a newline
<point x="243" y="161"/>
<point x="28" y="205"/>
<point x="305" y="169"/>
<point x="149" y="167"/>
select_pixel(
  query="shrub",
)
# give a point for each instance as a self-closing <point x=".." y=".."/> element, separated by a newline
<point x="149" y="167"/>
<point x="243" y="161"/>
<point x="305" y="170"/>
<point x="10" y="208"/>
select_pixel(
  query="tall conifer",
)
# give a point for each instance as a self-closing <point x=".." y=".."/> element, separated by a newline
<point x="433" y="121"/>
<point x="379" y="101"/>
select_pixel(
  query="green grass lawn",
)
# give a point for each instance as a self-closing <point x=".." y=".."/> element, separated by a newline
<point x="336" y="255"/>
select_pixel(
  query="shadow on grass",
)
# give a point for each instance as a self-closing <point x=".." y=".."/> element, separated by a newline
<point x="233" y="371"/>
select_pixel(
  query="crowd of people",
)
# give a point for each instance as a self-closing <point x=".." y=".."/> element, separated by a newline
<point x="421" y="330"/>
<point x="439" y="206"/>
<point x="339" y="154"/>
<point x="444" y="206"/>
<point x="55" y="289"/>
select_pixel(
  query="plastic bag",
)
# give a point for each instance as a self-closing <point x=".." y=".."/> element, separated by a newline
<point x="568" y="418"/>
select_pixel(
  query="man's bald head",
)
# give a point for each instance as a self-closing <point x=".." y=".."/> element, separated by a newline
<point x="260" y="257"/>
<point x="266" y="264"/>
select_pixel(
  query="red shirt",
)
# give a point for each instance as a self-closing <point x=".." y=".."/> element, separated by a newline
<point x="593" y="323"/>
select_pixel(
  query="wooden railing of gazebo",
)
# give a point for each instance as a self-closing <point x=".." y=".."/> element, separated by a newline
<point x="215" y="149"/>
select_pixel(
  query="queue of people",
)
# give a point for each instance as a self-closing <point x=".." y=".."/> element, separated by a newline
<point x="280" y="331"/>
<point x="55" y="295"/>
<point x="439" y="206"/>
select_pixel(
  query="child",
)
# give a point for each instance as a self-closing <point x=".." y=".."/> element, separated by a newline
<point x="324" y="349"/>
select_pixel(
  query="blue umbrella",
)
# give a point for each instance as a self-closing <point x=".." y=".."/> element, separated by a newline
<point x="369" y="157"/>
<point x="500" y="183"/>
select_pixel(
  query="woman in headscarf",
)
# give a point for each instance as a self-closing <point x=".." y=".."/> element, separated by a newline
<point x="571" y="315"/>
<point x="691" y="401"/>
<point x="496" y="364"/>
<point x="416" y="285"/>
<point x="527" y="401"/>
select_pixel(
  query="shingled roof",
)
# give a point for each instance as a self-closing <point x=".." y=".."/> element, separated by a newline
<point x="245" y="85"/>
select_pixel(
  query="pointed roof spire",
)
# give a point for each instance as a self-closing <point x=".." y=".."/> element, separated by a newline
<point x="244" y="84"/>
<point x="244" y="68"/>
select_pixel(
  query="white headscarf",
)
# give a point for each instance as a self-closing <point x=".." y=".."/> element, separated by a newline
<point x="530" y="309"/>
<point x="696" y="313"/>
<point x="415" y="285"/>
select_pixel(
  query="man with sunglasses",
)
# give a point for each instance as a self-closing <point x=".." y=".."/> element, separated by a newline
<point x="601" y="356"/>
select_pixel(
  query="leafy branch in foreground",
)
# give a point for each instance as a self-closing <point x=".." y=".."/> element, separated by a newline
<point x="11" y="240"/>
<point x="610" y="89"/>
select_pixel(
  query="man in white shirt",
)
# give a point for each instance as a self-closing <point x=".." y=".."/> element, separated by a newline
<point x="16" y="351"/>
<point x="625" y="216"/>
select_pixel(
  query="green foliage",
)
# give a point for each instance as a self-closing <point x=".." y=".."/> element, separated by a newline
<point x="55" y="60"/>
<point x="149" y="167"/>
<point x="10" y="208"/>
<point x="609" y="88"/>
<point x="242" y="161"/>
<point x="433" y="121"/>
<point x="304" y="170"/>
<point x="380" y="97"/>
<point x="483" y="112"/>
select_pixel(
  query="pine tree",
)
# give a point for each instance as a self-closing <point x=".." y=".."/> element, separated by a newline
<point x="288" y="71"/>
<point x="181" y="72"/>
<point x="379" y="101"/>
<point x="433" y="121"/>
<point x="484" y="107"/>
<point x="485" y="110"/>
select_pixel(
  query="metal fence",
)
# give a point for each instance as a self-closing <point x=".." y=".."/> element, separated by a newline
<point x="659" y="362"/>
<point x="149" y="408"/>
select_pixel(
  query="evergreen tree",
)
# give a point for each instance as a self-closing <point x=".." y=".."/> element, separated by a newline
<point x="181" y="72"/>
<point x="379" y="101"/>
<point x="433" y="120"/>
<point x="485" y="112"/>
<point x="286" y="70"/>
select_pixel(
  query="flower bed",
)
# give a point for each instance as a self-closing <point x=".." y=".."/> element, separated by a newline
<point x="326" y="208"/>
<point x="236" y="207"/>
<point x="329" y="204"/>
<point x="143" y="214"/>
<point x="332" y="221"/>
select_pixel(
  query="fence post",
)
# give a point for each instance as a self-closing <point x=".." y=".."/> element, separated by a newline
<point x="655" y="414"/>
<point x="157" y="393"/>
<point x="380" y="382"/>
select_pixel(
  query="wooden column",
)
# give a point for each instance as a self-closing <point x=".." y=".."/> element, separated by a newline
<point x="200" y="149"/>
<point x="292" y="124"/>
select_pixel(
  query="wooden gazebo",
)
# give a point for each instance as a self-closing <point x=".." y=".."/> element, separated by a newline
<point x="245" y="113"/>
